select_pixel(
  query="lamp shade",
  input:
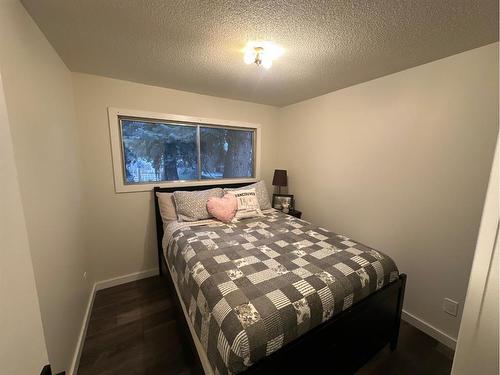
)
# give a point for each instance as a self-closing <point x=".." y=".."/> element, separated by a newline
<point x="280" y="178"/>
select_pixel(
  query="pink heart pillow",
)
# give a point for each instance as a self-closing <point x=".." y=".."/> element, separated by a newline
<point x="224" y="208"/>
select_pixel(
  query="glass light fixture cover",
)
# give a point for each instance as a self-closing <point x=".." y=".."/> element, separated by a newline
<point x="249" y="57"/>
<point x="262" y="53"/>
<point x="267" y="63"/>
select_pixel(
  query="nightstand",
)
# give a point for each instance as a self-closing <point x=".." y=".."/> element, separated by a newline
<point x="295" y="213"/>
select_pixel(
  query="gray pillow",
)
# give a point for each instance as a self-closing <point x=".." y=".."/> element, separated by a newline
<point x="260" y="191"/>
<point x="192" y="205"/>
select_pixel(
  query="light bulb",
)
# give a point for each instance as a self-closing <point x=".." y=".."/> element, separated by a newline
<point x="249" y="57"/>
<point x="267" y="63"/>
<point x="261" y="53"/>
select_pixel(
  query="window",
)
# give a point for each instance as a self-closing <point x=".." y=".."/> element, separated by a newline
<point x="165" y="150"/>
<point x="226" y="153"/>
<point x="158" y="151"/>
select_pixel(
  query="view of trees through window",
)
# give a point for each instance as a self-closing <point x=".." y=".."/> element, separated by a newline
<point x="155" y="151"/>
<point x="226" y="153"/>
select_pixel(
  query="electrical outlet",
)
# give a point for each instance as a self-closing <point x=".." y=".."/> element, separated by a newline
<point x="450" y="306"/>
<point x="85" y="275"/>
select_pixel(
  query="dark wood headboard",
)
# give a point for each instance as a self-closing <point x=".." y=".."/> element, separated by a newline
<point x="159" y="221"/>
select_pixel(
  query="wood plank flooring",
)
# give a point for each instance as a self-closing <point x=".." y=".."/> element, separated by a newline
<point x="133" y="330"/>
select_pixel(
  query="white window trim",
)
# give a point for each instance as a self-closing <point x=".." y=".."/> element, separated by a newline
<point x="117" y="157"/>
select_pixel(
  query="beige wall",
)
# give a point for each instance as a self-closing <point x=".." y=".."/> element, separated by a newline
<point x="120" y="228"/>
<point x="39" y="98"/>
<point x="401" y="163"/>
<point x="22" y="345"/>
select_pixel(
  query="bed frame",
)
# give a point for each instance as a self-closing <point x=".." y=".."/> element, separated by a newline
<point x="340" y="345"/>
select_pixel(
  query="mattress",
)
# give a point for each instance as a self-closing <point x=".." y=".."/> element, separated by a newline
<point x="249" y="288"/>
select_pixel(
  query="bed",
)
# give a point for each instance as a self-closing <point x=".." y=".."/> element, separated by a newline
<point x="276" y="293"/>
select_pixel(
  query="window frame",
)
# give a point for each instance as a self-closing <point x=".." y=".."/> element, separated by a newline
<point x="116" y="114"/>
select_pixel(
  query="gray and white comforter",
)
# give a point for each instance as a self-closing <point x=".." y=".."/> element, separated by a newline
<point x="253" y="286"/>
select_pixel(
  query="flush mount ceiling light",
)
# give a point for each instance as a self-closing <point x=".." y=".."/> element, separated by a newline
<point x="261" y="53"/>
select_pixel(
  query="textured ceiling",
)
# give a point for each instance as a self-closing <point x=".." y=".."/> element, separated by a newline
<point x="195" y="45"/>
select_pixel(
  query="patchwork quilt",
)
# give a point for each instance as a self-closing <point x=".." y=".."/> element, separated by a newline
<point x="253" y="286"/>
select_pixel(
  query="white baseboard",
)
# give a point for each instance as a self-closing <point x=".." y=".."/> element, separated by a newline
<point x="83" y="331"/>
<point x="100" y="285"/>
<point x="104" y="284"/>
<point x="432" y="331"/>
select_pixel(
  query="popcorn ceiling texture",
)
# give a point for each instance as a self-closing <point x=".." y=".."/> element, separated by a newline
<point x="195" y="45"/>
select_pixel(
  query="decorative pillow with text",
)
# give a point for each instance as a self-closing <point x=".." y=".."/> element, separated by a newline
<point x="248" y="204"/>
<point x="260" y="191"/>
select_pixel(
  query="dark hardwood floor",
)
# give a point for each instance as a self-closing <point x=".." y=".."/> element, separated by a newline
<point x="133" y="330"/>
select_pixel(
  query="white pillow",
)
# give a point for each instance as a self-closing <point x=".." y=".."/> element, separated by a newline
<point x="167" y="207"/>
<point x="260" y="190"/>
<point x="248" y="204"/>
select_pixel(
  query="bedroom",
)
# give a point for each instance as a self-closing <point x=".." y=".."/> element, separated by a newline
<point x="384" y="116"/>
